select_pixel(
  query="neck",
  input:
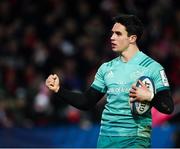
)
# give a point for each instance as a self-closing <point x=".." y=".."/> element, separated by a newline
<point x="127" y="54"/>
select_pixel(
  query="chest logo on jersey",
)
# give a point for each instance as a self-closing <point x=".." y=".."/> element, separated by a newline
<point x="110" y="74"/>
<point x="136" y="74"/>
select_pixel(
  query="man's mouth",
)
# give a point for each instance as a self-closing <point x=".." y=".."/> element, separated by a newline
<point x="113" y="45"/>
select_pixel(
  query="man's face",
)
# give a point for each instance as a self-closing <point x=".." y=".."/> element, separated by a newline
<point x="119" y="38"/>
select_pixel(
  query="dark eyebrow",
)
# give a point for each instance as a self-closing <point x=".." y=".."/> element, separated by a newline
<point x="116" y="32"/>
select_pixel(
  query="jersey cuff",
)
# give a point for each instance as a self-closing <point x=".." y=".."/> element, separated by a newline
<point x="98" y="88"/>
<point x="163" y="88"/>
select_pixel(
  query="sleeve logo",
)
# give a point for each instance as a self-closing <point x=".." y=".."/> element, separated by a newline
<point x="164" y="78"/>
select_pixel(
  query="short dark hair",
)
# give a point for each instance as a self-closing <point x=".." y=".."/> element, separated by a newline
<point x="133" y="24"/>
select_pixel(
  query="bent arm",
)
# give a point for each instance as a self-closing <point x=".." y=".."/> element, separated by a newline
<point x="163" y="102"/>
<point x="82" y="101"/>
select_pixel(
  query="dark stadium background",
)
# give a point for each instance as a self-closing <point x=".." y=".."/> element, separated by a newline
<point x="71" y="38"/>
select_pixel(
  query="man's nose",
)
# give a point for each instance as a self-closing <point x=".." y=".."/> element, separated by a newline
<point x="112" y="37"/>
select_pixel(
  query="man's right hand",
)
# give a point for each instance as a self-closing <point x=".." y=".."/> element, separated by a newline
<point x="52" y="82"/>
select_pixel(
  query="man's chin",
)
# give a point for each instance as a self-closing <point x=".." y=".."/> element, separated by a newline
<point x="115" y="50"/>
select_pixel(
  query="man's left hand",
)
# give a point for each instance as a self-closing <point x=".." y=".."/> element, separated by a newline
<point x="140" y="93"/>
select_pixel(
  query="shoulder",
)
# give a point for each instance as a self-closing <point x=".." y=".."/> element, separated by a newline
<point x="109" y="64"/>
<point x="149" y="62"/>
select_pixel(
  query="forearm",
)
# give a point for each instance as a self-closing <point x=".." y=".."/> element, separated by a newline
<point x="82" y="101"/>
<point x="163" y="102"/>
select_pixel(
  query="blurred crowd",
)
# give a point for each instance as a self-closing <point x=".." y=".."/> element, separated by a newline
<point x="71" y="38"/>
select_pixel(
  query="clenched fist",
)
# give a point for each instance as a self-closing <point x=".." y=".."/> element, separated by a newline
<point x="52" y="82"/>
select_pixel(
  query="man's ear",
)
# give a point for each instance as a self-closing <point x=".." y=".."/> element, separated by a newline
<point x="132" y="38"/>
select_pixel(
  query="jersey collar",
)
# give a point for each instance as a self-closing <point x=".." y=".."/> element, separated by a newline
<point x="133" y="59"/>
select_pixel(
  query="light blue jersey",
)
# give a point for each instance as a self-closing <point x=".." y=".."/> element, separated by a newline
<point x="115" y="78"/>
